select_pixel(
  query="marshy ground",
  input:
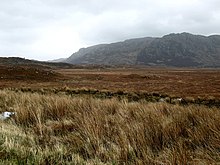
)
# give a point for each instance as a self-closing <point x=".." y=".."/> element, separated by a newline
<point x="110" y="116"/>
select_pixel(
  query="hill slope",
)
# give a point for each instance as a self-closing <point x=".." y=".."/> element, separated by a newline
<point x="17" y="61"/>
<point x="14" y="70"/>
<point x="180" y="50"/>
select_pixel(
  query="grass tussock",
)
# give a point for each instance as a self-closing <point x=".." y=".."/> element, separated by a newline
<point x="61" y="129"/>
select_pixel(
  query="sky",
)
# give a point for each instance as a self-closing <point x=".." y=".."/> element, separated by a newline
<point x="52" y="29"/>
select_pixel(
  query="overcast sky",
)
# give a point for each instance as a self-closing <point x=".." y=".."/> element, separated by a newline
<point x="51" y="29"/>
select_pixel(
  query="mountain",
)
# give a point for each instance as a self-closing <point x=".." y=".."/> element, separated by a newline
<point x="120" y="53"/>
<point x="179" y="50"/>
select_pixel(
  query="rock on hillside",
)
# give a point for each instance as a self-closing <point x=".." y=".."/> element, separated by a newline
<point x="179" y="50"/>
<point x="120" y="53"/>
<point x="182" y="50"/>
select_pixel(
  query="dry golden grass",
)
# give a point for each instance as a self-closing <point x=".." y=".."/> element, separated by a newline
<point x="60" y="129"/>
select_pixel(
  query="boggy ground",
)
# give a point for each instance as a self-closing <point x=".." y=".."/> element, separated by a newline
<point x="55" y="125"/>
<point x="204" y="83"/>
<point x="171" y="81"/>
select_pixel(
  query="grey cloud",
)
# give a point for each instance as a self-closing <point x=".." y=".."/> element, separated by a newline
<point x="24" y="24"/>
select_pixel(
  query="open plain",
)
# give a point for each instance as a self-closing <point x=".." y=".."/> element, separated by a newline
<point x="99" y="115"/>
<point x="204" y="83"/>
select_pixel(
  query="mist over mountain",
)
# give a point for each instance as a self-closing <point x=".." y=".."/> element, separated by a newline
<point x="179" y="50"/>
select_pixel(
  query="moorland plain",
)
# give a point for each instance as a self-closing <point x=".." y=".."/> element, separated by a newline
<point x="63" y="116"/>
<point x="179" y="82"/>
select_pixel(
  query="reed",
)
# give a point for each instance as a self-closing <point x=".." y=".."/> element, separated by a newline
<point x="62" y="129"/>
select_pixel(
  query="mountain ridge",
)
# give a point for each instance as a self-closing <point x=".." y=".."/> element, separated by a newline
<point x="175" y="50"/>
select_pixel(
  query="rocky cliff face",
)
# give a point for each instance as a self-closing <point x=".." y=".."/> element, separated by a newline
<point x="180" y="50"/>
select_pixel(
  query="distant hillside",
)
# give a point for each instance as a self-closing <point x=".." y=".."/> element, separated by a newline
<point x="16" y="61"/>
<point x="179" y="50"/>
<point x="58" y="60"/>
<point x="120" y="53"/>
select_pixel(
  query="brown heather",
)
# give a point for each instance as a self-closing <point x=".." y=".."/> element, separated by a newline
<point x="61" y="129"/>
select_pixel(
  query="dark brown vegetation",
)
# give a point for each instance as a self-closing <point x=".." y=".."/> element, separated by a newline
<point x="178" y="82"/>
<point x="194" y="83"/>
<point x="24" y="73"/>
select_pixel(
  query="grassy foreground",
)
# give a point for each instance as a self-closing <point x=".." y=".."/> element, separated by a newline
<point x="61" y="129"/>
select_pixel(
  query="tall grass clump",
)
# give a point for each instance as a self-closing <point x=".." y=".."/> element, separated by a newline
<point x="61" y="129"/>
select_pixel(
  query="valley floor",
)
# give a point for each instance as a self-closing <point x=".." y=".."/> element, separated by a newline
<point x="203" y="83"/>
<point x="110" y="116"/>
